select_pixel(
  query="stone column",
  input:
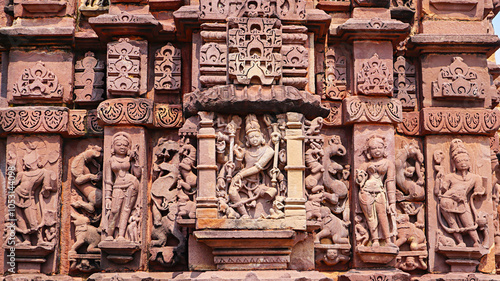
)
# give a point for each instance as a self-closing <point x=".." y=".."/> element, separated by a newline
<point x="294" y="203"/>
<point x="206" y="203"/>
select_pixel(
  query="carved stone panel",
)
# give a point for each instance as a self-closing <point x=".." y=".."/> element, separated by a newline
<point x="89" y="79"/>
<point x="458" y="80"/>
<point x="30" y="119"/>
<point x="404" y="83"/>
<point x="460" y="120"/>
<point x="124" y="200"/>
<point x="368" y="109"/>
<point x="254" y="50"/>
<point x="459" y="200"/>
<point x="77" y="122"/>
<point x="38" y="76"/>
<point x="335" y="79"/>
<point x="411" y="124"/>
<point x="82" y="206"/>
<point x="36" y="161"/>
<point x="335" y="116"/>
<point x="167" y="69"/>
<point x="375" y="77"/>
<point x="127" y="68"/>
<point x="173" y="196"/>
<point x="168" y="115"/>
<point x="410" y="208"/>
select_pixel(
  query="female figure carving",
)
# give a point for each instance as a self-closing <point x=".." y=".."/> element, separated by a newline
<point x="121" y="184"/>
<point x="377" y="195"/>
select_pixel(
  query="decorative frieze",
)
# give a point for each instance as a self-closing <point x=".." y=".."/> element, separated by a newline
<point x="126" y="111"/>
<point x="376" y="110"/>
<point x="439" y="120"/>
<point x="39" y="119"/>
<point x="167" y="69"/>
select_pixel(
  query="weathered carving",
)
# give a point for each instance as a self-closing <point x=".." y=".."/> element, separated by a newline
<point x="76" y="124"/>
<point x="172" y="192"/>
<point x="126" y="111"/>
<point x="89" y="79"/>
<point x="410" y="172"/>
<point x="335" y="75"/>
<point x="124" y="64"/>
<point x="40" y="119"/>
<point x="404" y="83"/>
<point x="213" y="57"/>
<point x="291" y="9"/>
<point x="335" y="116"/>
<point x="38" y="82"/>
<point x="93" y="126"/>
<point x="94" y="7"/>
<point x="456" y="193"/>
<point x="375" y="77"/>
<point x="458" y="81"/>
<point x="254" y="50"/>
<point x="377" y="199"/>
<point x="410" y="124"/>
<point x="368" y="109"/>
<point x="248" y="181"/>
<point x="295" y="63"/>
<point x="460" y="121"/>
<point x="122" y="174"/>
<point x="168" y="115"/>
<point x="86" y="181"/>
<point x="168" y="68"/>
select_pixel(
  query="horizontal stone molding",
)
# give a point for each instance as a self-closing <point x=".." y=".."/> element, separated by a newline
<point x="127" y="111"/>
<point x="39" y="119"/>
<point x="359" y="109"/>
<point x="460" y="121"/>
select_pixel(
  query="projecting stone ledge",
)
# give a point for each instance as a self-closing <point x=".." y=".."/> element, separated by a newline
<point x="254" y="99"/>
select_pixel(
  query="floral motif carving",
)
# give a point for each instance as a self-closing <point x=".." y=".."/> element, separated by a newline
<point x="335" y="116"/>
<point x="365" y="109"/>
<point x="173" y="195"/>
<point x="404" y="83"/>
<point x="38" y="82"/>
<point x="335" y="82"/>
<point x="126" y="111"/>
<point x="77" y="120"/>
<point x="168" y="68"/>
<point x="458" y="81"/>
<point x="93" y="126"/>
<point x="41" y="119"/>
<point x="375" y="77"/>
<point x="123" y="77"/>
<point x="89" y="79"/>
<point x="168" y="116"/>
<point x="213" y="57"/>
<point x="410" y="124"/>
<point x="254" y="50"/>
<point x="466" y="121"/>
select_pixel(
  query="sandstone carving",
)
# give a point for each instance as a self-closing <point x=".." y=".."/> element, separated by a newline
<point x="89" y="79"/>
<point x="38" y="82"/>
<point x="377" y="198"/>
<point x="410" y="173"/>
<point x="122" y="174"/>
<point x="335" y="80"/>
<point x="168" y="68"/>
<point x="126" y="111"/>
<point x="368" y="109"/>
<point x="460" y="121"/>
<point x="404" y="83"/>
<point x="458" y="80"/>
<point x="34" y="119"/>
<point x="124" y="62"/>
<point x="168" y="115"/>
<point x="173" y="194"/>
<point x="375" y="78"/>
<point x="410" y="124"/>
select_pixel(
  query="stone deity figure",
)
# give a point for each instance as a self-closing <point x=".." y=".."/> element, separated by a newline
<point x="377" y="195"/>
<point x="252" y="160"/>
<point x="456" y="192"/>
<point x="121" y="185"/>
<point x="34" y="184"/>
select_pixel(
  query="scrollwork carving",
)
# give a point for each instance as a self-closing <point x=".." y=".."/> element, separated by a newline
<point x="124" y="62"/>
<point x="375" y="77"/>
<point x="40" y="119"/>
<point x="458" y="80"/>
<point x="89" y="79"/>
<point x="404" y="83"/>
<point x="168" y="68"/>
<point x="168" y="116"/>
<point x="38" y="82"/>
<point x="466" y="121"/>
<point x="126" y="111"/>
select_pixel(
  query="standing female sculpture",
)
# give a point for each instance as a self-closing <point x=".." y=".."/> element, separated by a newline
<point x="377" y="195"/>
<point x="121" y="185"/>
